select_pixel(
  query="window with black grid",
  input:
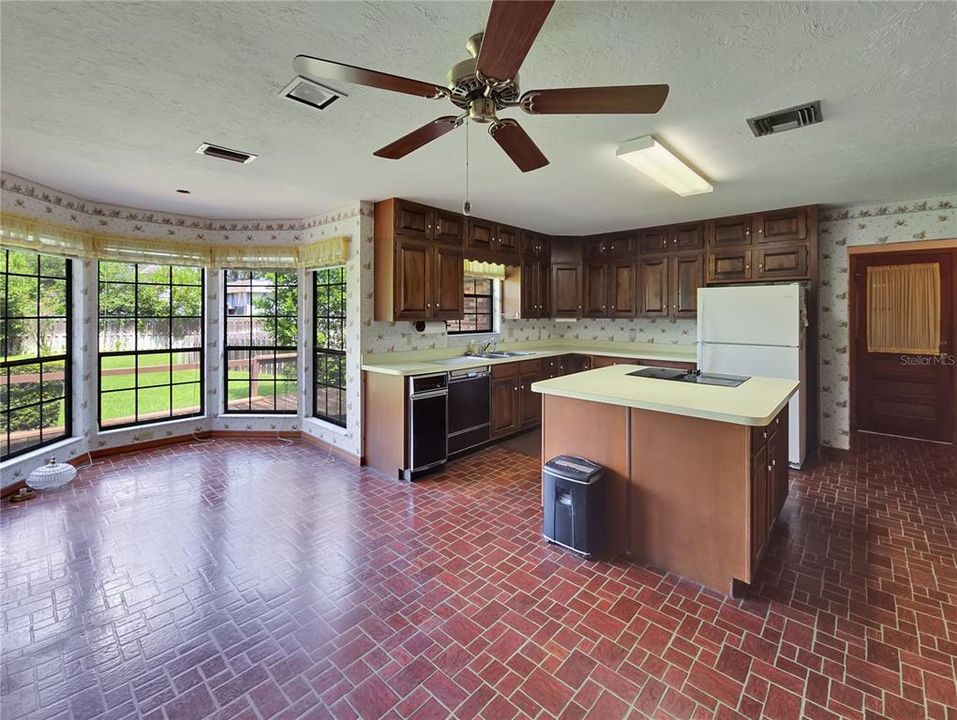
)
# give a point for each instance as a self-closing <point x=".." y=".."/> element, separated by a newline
<point x="479" y="308"/>
<point x="150" y="328"/>
<point x="262" y="326"/>
<point x="330" y="345"/>
<point x="35" y="398"/>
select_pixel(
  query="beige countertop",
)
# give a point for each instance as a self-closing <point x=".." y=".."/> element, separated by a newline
<point x="425" y="362"/>
<point x="755" y="402"/>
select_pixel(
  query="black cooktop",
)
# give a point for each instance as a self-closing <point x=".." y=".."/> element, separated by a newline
<point x="697" y="376"/>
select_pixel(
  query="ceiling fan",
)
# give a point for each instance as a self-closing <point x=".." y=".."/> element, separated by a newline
<point x="488" y="82"/>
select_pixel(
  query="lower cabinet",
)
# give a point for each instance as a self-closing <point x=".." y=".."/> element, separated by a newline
<point x="600" y="361"/>
<point x="769" y="481"/>
<point x="514" y="406"/>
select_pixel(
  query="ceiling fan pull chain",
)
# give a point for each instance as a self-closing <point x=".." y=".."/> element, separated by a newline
<point x="467" y="206"/>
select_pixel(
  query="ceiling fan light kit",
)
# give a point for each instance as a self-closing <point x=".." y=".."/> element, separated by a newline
<point x="487" y="82"/>
<point x="661" y="165"/>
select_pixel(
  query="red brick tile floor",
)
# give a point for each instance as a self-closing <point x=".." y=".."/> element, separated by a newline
<point x="249" y="579"/>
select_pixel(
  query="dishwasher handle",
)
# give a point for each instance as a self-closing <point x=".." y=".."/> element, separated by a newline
<point x="429" y="394"/>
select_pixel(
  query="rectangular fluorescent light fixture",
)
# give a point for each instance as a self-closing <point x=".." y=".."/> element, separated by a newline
<point x="661" y="165"/>
<point x="310" y="93"/>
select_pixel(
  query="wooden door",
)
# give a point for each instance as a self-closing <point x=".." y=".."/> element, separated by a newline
<point x="531" y="402"/>
<point x="412" y="219"/>
<point x="507" y="239"/>
<point x="505" y="402"/>
<point x="910" y="394"/>
<point x="777" y="262"/>
<point x="566" y="290"/>
<point x="622" y="294"/>
<point x="413" y="279"/>
<point x="448" y="283"/>
<point x="781" y="225"/>
<point x="689" y="236"/>
<point x="729" y="265"/>
<point x="447" y="227"/>
<point x="543" y="291"/>
<point x="653" y="287"/>
<point x="481" y="235"/>
<point x="596" y="289"/>
<point x="759" y="504"/>
<point x="654" y="240"/>
<point x="730" y="231"/>
<point x="687" y="275"/>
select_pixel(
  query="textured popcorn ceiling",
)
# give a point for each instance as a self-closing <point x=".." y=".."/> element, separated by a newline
<point x="109" y="100"/>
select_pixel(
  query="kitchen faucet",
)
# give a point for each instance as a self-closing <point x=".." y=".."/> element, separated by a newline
<point x="487" y="346"/>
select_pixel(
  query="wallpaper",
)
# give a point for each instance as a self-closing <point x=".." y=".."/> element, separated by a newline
<point x="861" y="225"/>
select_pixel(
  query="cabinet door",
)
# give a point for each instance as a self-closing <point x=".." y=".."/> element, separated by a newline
<point x="689" y="236"/>
<point x="687" y="275"/>
<point x="447" y="227"/>
<point x="600" y="361"/>
<point x="531" y="288"/>
<point x="759" y="504"/>
<point x="654" y="240"/>
<point x="505" y="401"/>
<point x="531" y="402"/>
<point x="729" y="266"/>
<point x="596" y="290"/>
<point x="781" y="225"/>
<point x="448" y="282"/>
<point x="596" y="248"/>
<point x="544" y="289"/>
<point x="778" y="452"/>
<point x="731" y="231"/>
<point x="620" y="246"/>
<point x="788" y="262"/>
<point x="653" y="287"/>
<point x="481" y="235"/>
<point x="412" y="219"/>
<point x="413" y="279"/>
<point x="507" y="239"/>
<point x="622" y="295"/>
<point x="566" y="290"/>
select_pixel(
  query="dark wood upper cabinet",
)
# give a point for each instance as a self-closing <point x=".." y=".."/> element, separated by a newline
<point x="595" y="289"/>
<point x="653" y="287"/>
<point x="412" y="219"/>
<point x="448" y="282"/>
<point x="781" y="262"/>
<point x="535" y="288"/>
<point x="447" y="227"/>
<point x="413" y="279"/>
<point x="781" y="225"/>
<point x="481" y="235"/>
<point x="507" y="239"/>
<point x="596" y="248"/>
<point x="687" y="275"/>
<point x="654" y="240"/>
<point x="566" y="290"/>
<point x="730" y="231"/>
<point x="729" y="266"/>
<point x="622" y="295"/>
<point x="621" y="246"/>
<point x="689" y="236"/>
<point x="535" y="245"/>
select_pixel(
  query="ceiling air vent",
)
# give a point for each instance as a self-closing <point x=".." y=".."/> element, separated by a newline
<point x="781" y="120"/>
<point x="222" y="153"/>
<point x="310" y="93"/>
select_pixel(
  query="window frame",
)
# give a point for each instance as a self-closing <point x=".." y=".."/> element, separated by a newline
<point x="66" y="357"/>
<point x="322" y="351"/>
<point x="493" y="304"/>
<point x="250" y="348"/>
<point x="136" y="352"/>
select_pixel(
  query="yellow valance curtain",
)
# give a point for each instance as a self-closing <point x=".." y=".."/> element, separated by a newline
<point x="37" y="236"/>
<point x="903" y="309"/>
<point x="492" y="271"/>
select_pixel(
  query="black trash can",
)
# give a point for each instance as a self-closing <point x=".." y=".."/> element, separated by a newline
<point x="572" y="503"/>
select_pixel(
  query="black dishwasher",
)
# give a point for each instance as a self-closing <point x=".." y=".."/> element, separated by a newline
<point x="469" y="409"/>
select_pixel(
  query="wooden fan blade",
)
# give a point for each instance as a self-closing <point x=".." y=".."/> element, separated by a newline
<point x="624" y="99"/>
<point x="318" y="69"/>
<point x="510" y="30"/>
<point x="517" y="145"/>
<point x="417" y="138"/>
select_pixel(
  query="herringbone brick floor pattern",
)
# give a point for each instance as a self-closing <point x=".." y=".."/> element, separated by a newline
<point x="249" y="579"/>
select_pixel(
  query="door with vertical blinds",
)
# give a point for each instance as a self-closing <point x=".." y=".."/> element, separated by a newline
<point x="903" y="331"/>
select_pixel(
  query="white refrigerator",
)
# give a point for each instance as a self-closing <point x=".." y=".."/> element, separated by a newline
<point x="758" y="330"/>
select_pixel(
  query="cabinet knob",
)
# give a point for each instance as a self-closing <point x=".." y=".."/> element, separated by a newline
<point x="428" y="305"/>
<point x="747" y="231"/>
<point x="760" y="266"/>
<point x="769" y="468"/>
<point x="747" y="267"/>
<point x="764" y="434"/>
<point x="612" y="307"/>
<point x="760" y="230"/>
<point x="675" y="241"/>
<point x="515" y="389"/>
<point x="774" y="463"/>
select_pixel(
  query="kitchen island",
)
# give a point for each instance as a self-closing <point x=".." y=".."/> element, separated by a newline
<point x="695" y="475"/>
